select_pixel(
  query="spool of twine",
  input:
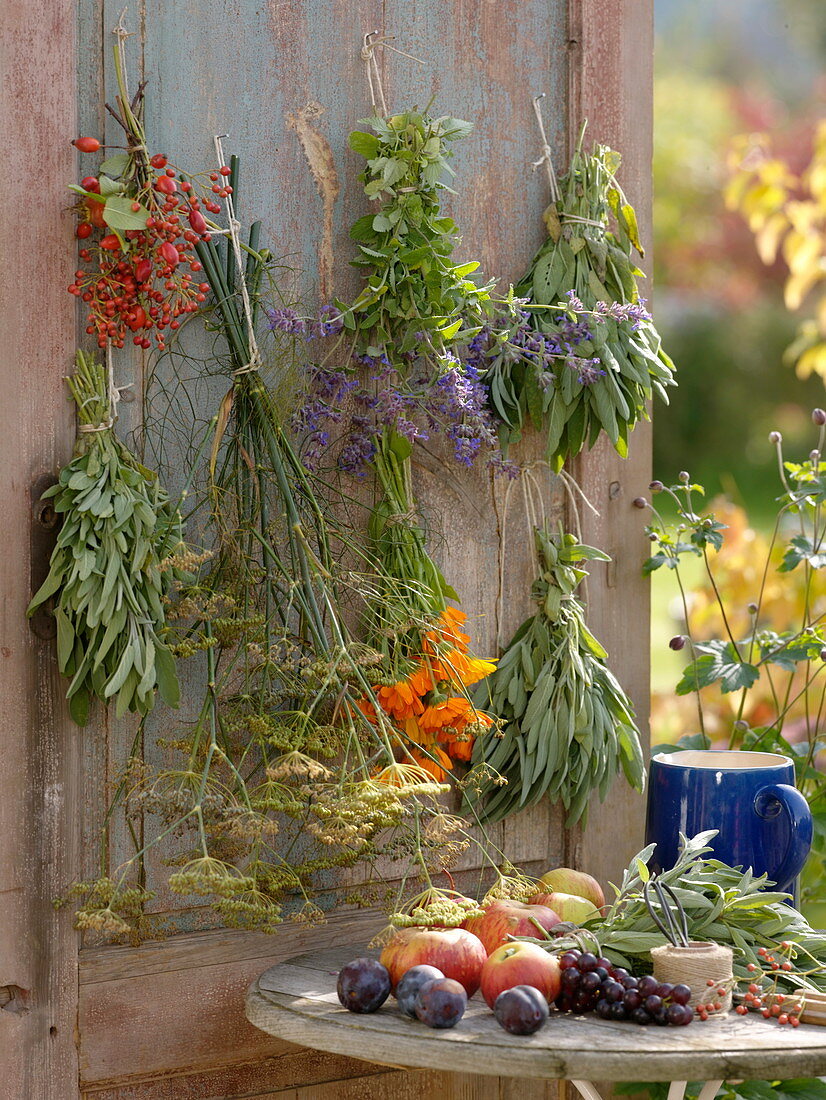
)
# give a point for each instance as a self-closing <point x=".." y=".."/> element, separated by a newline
<point x="694" y="966"/>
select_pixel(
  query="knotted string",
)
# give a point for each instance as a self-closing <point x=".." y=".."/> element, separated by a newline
<point x="255" y="360"/>
<point x="572" y="487"/>
<point x="368" y="56"/>
<point x="113" y="393"/>
<point x="534" y="512"/>
<point x="546" y="150"/>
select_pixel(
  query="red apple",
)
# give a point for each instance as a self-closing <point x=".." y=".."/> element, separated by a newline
<point x="504" y="918"/>
<point x="565" y="880"/>
<point x="456" y="952"/>
<point x="570" y="907"/>
<point x="520" y="964"/>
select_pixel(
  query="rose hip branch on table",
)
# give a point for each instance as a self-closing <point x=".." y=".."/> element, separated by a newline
<point x="337" y="722"/>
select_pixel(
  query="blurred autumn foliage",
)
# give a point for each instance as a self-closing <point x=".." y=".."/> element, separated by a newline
<point x="723" y="71"/>
<point x="786" y="212"/>
<point x="747" y="560"/>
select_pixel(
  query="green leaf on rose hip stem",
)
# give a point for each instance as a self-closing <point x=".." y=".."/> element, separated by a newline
<point x="118" y="214"/>
<point x="109" y="187"/>
<point x="116" y="165"/>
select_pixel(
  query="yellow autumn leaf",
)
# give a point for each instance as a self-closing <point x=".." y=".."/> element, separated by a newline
<point x="768" y="239"/>
<point x="798" y="286"/>
<point x="812" y="361"/>
<point x="803" y="252"/>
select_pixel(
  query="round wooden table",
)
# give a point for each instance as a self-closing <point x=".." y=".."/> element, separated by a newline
<point x="297" y="1001"/>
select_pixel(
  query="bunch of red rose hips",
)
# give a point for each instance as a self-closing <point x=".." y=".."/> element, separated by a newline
<point x="143" y="280"/>
<point x="762" y="994"/>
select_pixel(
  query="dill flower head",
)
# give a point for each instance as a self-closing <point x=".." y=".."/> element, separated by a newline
<point x="296" y="765"/>
<point x="480" y="776"/>
<point x="409" y="779"/>
<point x="101" y="920"/>
<point x="206" y="875"/>
<point x="435" y="908"/>
<point x="352" y="815"/>
<point x="511" y="884"/>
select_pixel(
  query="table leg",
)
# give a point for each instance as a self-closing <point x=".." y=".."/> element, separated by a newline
<point x="709" y="1090"/>
<point x="676" y="1090"/>
<point x="586" y="1090"/>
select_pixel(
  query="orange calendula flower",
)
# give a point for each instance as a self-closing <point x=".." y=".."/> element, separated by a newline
<point x="439" y="766"/>
<point x="453" y="712"/>
<point x="424" y="679"/>
<point x="458" y="748"/>
<point x="400" y="700"/>
<point x="458" y="667"/>
<point x="366" y="708"/>
<point x="448" y="631"/>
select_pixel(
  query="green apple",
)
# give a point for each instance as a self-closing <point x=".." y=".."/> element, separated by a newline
<point x="568" y="881"/>
<point x="568" y="907"/>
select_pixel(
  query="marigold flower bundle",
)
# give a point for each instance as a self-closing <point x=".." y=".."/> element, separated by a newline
<point x="436" y="720"/>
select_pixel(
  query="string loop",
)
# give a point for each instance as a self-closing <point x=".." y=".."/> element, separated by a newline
<point x="546" y="150"/>
<point x="113" y="393"/>
<point x="368" y="56"/>
<point x="234" y="227"/>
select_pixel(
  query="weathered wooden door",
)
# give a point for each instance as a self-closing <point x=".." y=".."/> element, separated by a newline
<point x="165" y="1021"/>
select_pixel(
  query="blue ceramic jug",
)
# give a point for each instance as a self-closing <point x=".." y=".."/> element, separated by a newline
<point x="763" y="821"/>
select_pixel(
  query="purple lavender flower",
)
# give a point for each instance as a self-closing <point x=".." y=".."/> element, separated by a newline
<point x="587" y="370"/>
<point x="314" y="448"/>
<point x="287" y="320"/>
<point x="359" y="447"/>
<point x="635" y="312"/>
<point x="328" y="323"/>
<point x="575" y="331"/>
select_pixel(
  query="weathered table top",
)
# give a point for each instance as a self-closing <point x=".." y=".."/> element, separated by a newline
<point x="297" y="1001"/>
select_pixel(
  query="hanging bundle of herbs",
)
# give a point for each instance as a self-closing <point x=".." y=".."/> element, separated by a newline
<point x="584" y="304"/>
<point x="138" y="219"/>
<point x="307" y="753"/>
<point x="415" y="306"/>
<point x="107" y="573"/>
<point x="567" y="725"/>
<point x="415" y="312"/>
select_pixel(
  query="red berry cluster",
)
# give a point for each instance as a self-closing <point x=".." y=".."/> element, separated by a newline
<point x="763" y="995"/>
<point x="714" y="1003"/>
<point x="142" y="281"/>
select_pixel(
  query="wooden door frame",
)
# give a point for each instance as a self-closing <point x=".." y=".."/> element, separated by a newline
<point x="610" y="48"/>
<point x="611" y="57"/>
<point x="39" y="763"/>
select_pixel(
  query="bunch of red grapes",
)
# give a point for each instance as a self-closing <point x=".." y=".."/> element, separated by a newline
<point x="143" y="281"/>
<point x="592" y="984"/>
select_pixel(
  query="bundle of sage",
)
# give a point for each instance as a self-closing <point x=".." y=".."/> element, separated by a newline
<point x="107" y="572"/>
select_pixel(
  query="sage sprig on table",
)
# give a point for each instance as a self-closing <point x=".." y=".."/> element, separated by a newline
<point x="722" y="904"/>
<point x="581" y="292"/>
<point x="567" y="725"/>
<point x="106" y="572"/>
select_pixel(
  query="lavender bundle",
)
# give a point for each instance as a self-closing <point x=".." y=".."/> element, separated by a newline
<point x="589" y="355"/>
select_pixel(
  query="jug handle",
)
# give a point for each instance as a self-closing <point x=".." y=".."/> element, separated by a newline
<point x="796" y="808"/>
